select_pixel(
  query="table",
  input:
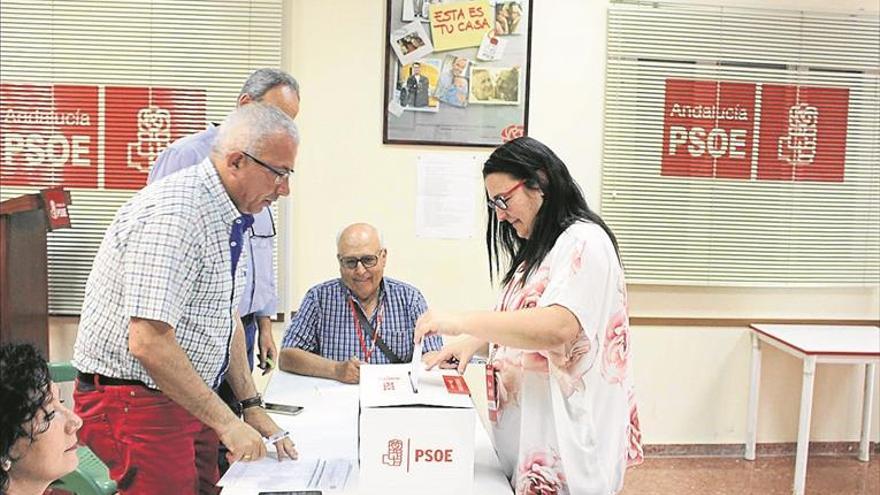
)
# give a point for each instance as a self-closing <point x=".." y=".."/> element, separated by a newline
<point x="328" y="428"/>
<point x="814" y="344"/>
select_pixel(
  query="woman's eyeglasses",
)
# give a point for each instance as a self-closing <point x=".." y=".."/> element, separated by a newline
<point x="500" y="201"/>
<point x="351" y="262"/>
<point x="281" y="174"/>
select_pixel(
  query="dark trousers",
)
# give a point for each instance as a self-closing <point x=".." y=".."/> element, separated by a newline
<point x="225" y="391"/>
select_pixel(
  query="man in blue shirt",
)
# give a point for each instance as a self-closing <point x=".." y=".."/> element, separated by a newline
<point x="361" y="317"/>
<point x="258" y="303"/>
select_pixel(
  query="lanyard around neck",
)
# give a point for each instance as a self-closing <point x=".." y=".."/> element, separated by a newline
<point x="360" y="333"/>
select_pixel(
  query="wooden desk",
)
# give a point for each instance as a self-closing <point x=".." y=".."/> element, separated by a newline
<point x="328" y="427"/>
<point x="814" y="344"/>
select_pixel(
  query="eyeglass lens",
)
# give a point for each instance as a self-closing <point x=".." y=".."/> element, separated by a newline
<point x="280" y="175"/>
<point x="496" y="203"/>
<point x="500" y="201"/>
<point x="352" y="262"/>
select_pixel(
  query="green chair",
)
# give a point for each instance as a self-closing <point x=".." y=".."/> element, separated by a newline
<point x="91" y="476"/>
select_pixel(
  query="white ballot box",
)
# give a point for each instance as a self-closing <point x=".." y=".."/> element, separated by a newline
<point x="415" y="442"/>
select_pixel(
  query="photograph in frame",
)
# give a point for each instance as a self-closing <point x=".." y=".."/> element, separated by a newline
<point x="411" y="42"/>
<point x="495" y="86"/>
<point x="417" y="83"/>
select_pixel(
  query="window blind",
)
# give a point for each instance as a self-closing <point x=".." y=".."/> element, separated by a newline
<point x="742" y="146"/>
<point x="120" y="58"/>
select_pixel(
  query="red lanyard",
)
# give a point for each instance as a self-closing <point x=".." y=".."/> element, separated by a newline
<point x="357" y="326"/>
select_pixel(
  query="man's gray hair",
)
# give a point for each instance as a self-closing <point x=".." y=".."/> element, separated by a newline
<point x="249" y="127"/>
<point x="376" y="230"/>
<point x="266" y="79"/>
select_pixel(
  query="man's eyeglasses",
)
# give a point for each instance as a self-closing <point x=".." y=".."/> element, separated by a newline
<point x="500" y="201"/>
<point x="281" y="174"/>
<point x="263" y="233"/>
<point x="351" y="262"/>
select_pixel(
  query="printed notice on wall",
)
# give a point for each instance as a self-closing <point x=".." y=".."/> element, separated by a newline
<point x="445" y="203"/>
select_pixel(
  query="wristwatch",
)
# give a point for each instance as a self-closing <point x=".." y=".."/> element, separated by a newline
<point x="255" y="401"/>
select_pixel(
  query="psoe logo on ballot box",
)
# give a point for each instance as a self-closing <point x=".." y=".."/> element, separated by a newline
<point x="398" y="456"/>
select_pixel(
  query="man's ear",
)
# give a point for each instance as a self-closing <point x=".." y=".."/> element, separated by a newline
<point x="244" y="99"/>
<point x="234" y="159"/>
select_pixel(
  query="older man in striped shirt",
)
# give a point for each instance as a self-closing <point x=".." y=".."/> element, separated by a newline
<point x="361" y="317"/>
<point x="159" y="327"/>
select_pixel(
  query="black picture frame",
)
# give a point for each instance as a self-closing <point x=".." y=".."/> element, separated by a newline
<point x="488" y="102"/>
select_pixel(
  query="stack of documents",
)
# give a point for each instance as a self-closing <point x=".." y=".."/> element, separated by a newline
<point x="267" y="474"/>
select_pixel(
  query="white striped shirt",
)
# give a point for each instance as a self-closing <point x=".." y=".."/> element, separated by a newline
<point x="165" y="257"/>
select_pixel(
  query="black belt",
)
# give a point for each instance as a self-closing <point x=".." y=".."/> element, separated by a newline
<point x="95" y="378"/>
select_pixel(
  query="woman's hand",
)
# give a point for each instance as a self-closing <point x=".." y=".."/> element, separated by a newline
<point x="456" y="354"/>
<point x="438" y="322"/>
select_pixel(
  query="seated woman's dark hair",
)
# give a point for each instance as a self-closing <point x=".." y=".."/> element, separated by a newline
<point x="24" y="389"/>
<point x="529" y="160"/>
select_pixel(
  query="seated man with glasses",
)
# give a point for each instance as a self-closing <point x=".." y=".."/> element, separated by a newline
<point x="361" y="317"/>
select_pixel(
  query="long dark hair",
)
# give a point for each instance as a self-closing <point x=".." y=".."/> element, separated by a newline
<point x="529" y="160"/>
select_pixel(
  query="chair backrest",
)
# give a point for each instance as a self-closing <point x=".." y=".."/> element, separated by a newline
<point x="62" y="372"/>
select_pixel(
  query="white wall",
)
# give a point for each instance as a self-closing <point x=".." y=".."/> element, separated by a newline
<point x="692" y="381"/>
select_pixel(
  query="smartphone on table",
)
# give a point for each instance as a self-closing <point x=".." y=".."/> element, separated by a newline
<point x="284" y="409"/>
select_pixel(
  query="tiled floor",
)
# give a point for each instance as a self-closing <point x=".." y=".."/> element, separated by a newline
<point x="826" y="475"/>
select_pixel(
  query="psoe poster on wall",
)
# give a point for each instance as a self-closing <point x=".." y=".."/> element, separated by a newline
<point x="90" y="136"/>
<point x="709" y="131"/>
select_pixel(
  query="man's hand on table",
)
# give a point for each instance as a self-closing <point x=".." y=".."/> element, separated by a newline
<point x="260" y="420"/>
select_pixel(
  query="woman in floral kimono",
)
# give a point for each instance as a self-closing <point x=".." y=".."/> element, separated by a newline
<point x="561" y="402"/>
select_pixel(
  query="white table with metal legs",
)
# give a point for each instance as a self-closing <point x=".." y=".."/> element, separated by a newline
<point x="814" y="344"/>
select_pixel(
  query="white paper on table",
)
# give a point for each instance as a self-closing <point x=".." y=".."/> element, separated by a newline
<point x="416" y="366"/>
<point x="445" y="203"/>
<point x="268" y="474"/>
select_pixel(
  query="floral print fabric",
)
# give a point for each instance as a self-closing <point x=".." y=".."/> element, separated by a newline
<point x="566" y="419"/>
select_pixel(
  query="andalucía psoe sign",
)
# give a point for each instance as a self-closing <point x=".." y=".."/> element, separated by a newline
<point x="711" y="129"/>
<point x="93" y="137"/>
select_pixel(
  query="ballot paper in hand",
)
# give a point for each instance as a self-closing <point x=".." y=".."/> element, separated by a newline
<point x="416" y="366"/>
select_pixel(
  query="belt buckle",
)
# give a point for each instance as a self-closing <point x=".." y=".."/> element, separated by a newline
<point x="84" y="386"/>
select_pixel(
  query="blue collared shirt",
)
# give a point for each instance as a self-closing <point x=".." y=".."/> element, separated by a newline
<point x="260" y="295"/>
<point x="324" y="324"/>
